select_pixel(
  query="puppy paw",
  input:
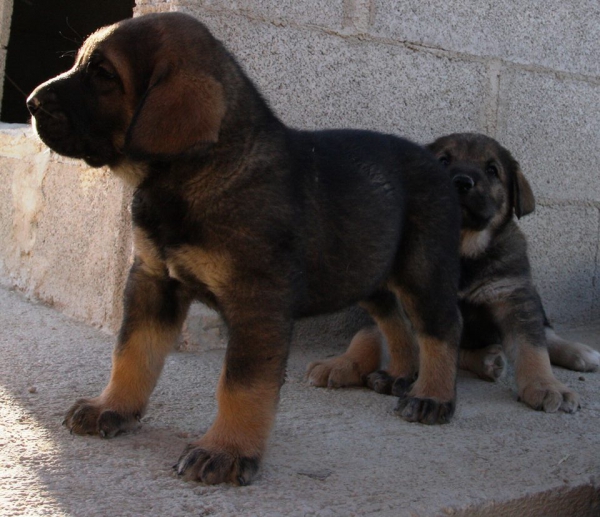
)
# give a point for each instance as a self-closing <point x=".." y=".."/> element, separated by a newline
<point x="380" y="382"/>
<point x="402" y="385"/>
<point x="425" y="410"/>
<point x="337" y="372"/>
<point x="549" y="396"/>
<point x="92" y="416"/>
<point x="205" y="463"/>
<point x="493" y="363"/>
<point x="581" y="358"/>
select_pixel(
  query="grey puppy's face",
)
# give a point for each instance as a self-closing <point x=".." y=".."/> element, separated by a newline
<point x="488" y="179"/>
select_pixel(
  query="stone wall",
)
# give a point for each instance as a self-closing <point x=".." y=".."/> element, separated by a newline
<point x="526" y="73"/>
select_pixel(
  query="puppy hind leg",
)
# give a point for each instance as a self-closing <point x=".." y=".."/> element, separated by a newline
<point x="393" y="323"/>
<point x="431" y="399"/>
<point x="571" y="355"/>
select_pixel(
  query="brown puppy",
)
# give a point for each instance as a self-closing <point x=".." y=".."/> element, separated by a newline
<point x="262" y="222"/>
<point x="498" y="300"/>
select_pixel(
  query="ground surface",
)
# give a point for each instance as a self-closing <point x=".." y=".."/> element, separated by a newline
<point x="332" y="453"/>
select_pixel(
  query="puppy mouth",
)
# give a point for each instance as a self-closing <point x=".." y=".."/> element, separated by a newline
<point x="54" y="129"/>
<point x="477" y="214"/>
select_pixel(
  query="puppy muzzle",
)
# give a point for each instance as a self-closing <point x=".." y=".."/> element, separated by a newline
<point x="463" y="183"/>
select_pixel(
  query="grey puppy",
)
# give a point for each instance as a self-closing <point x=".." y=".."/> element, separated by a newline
<point x="501" y="307"/>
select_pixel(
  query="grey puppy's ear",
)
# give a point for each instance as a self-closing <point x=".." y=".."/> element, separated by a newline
<point x="523" y="199"/>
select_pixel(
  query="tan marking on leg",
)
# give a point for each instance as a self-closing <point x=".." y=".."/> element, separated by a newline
<point x="532" y="361"/>
<point x="404" y="352"/>
<point x="437" y="370"/>
<point x="244" y="419"/>
<point x="362" y="357"/>
<point x="401" y="344"/>
<point x="536" y="383"/>
<point x="365" y="349"/>
<point x="136" y="366"/>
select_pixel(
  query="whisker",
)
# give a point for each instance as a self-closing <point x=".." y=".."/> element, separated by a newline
<point x="19" y="89"/>
<point x="75" y="32"/>
<point x="25" y="95"/>
<point x="72" y="40"/>
<point x="66" y="53"/>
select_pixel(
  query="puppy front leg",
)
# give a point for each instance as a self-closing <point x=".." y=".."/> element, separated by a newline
<point x="155" y="308"/>
<point x="247" y="395"/>
<point x="524" y="342"/>
<point x="361" y="358"/>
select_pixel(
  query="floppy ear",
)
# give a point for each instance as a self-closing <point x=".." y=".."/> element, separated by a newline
<point x="522" y="195"/>
<point x="179" y="111"/>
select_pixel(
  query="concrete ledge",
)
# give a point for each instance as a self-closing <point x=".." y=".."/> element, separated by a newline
<point x="65" y="229"/>
<point x="332" y="453"/>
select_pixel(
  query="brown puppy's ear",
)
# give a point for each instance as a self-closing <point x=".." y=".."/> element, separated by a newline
<point x="180" y="110"/>
<point x="522" y="195"/>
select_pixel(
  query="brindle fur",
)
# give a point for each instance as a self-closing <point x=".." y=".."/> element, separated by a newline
<point x="501" y="308"/>
<point x="262" y="222"/>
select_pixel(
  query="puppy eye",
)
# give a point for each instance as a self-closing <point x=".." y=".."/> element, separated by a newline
<point x="98" y="70"/>
<point x="444" y="160"/>
<point x="104" y="73"/>
<point x="492" y="170"/>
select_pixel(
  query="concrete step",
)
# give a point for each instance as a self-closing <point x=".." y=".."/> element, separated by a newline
<point x="332" y="452"/>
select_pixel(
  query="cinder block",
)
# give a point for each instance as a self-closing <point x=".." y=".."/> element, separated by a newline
<point x="325" y="13"/>
<point x="560" y="35"/>
<point x="552" y="127"/>
<point x="562" y="249"/>
<point x="318" y="80"/>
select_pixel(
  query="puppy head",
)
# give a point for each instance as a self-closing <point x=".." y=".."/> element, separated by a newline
<point x="489" y="180"/>
<point x="146" y="88"/>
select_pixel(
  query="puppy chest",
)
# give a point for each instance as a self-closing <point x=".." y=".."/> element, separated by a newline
<point x="165" y="218"/>
<point x="194" y="265"/>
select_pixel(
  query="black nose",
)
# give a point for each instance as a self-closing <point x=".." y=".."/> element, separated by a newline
<point x="463" y="183"/>
<point x="33" y="104"/>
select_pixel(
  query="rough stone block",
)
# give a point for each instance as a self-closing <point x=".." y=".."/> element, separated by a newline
<point x="560" y="35"/>
<point x="552" y="127"/>
<point x="562" y="249"/>
<point x="317" y="80"/>
<point x="325" y="13"/>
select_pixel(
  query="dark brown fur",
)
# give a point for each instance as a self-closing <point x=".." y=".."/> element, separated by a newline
<point x="501" y="308"/>
<point x="262" y="222"/>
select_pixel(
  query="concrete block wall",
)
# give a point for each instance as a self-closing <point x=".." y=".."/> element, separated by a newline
<point x="525" y="73"/>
